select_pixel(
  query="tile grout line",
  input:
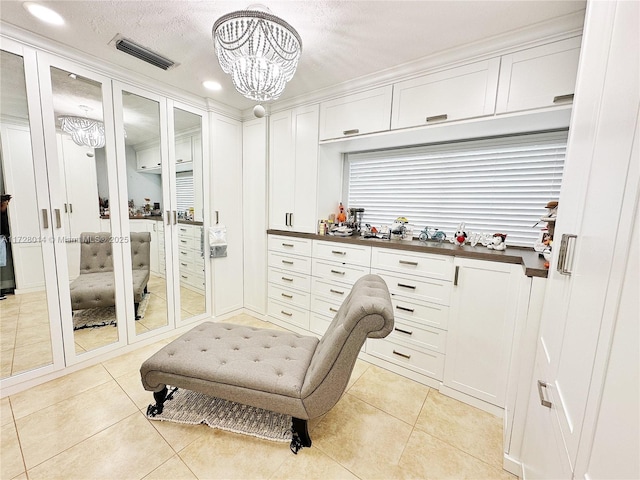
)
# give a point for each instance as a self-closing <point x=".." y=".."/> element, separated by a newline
<point x="15" y="426"/>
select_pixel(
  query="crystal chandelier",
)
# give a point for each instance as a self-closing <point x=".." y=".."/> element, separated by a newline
<point x="83" y="131"/>
<point x="259" y="50"/>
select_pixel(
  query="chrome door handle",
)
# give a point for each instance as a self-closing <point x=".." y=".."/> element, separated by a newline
<point x="543" y="402"/>
<point x="168" y="217"/>
<point x="351" y="132"/>
<point x="436" y="118"/>
<point x="58" y="219"/>
<point x="45" y="218"/>
<point x="564" y="254"/>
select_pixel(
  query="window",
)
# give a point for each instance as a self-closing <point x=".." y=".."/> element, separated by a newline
<point x="493" y="185"/>
<point x="185" y="196"/>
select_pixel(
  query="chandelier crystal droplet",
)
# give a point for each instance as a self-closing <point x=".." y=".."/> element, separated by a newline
<point x="259" y="50"/>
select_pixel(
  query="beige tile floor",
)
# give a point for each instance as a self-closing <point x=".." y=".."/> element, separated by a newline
<point x="91" y="425"/>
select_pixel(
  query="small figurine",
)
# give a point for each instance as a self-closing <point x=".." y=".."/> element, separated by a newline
<point x="460" y="237"/>
<point x="499" y="242"/>
<point x="342" y="217"/>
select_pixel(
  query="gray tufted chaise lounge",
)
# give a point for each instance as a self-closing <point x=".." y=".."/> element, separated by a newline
<point x="95" y="286"/>
<point x="275" y="370"/>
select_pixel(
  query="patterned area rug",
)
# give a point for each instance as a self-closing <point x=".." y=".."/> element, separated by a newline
<point x="102" y="316"/>
<point x="185" y="406"/>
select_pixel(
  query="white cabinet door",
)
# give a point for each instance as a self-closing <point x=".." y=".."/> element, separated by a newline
<point x="281" y="170"/>
<point x="184" y="151"/>
<point x="539" y="77"/>
<point x="293" y="169"/>
<point x="305" y="121"/>
<point x="148" y="159"/>
<point x="365" y="112"/>
<point x="463" y="92"/>
<point x="483" y="316"/>
<point x="227" y="201"/>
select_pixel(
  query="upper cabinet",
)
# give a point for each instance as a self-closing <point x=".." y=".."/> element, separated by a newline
<point x="539" y="77"/>
<point x="188" y="146"/>
<point x="293" y="169"/>
<point x="357" y="114"/>
<point x="148" y="158"/>
<point x="454" y="94"/>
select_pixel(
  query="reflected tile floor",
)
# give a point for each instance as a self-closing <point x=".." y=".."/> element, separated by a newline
<point x="91" y="425"/>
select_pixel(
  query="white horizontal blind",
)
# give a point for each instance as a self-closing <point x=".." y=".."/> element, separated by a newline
<point x="493" y="185"/>
<point x="185" y="195"/>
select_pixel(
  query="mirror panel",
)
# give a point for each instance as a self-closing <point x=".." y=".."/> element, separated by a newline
<point x="190" y="212"/>
<point x="141" y="118"/>
<point x="84" y="187"/>
<point x="24" y="316"/>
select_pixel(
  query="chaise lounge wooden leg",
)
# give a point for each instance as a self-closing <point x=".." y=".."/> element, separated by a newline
<point x="300" y="438"/>
<point x="159" y="397"/>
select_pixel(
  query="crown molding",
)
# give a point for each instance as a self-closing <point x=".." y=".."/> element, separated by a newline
<point x="541" y="33"/>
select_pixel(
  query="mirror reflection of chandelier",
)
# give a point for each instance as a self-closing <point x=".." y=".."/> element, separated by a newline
<point x="259" y="50"/>
<point x="84" y="131"/>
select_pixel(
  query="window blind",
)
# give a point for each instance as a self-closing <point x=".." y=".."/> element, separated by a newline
<point x="493" y="185"/>
<point x="185" y="196"/>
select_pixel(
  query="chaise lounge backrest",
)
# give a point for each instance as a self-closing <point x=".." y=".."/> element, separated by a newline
<point x="95" y="252"/>
<point x="366" y="312"/>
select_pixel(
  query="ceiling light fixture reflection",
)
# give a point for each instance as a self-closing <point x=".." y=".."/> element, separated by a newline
<point x="259" y="50"/>
<point x="84" y="131"/>
<point x="43" y="13"/>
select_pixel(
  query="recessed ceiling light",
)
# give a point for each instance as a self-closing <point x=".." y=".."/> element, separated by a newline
<point x="211" y="85"/>
<point x="43" y="13"/>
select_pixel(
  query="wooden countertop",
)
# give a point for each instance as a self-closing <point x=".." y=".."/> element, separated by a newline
<point x="531" y="261"/>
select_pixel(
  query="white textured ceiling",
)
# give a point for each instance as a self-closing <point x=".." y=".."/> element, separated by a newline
<point x="342" y="40"/>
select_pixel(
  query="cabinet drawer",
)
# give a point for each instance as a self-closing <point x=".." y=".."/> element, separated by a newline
<point x="289" y="296"/>
<point x="294" y="245"/>
<point x="454" y="94"/>
<point x="344" y="253"/>
<point x="426" y="362"/>
<point x="288" y="313"/>
<point x="427" y="314"/>
<point x="419" y="337"/>
<point x="337" y="271"/>
<point x="414" y="263"/>
<point x="336" y="291"/>
<point x="289" y="279"/>
<point x="290" y="263"/>
<point x="185" y="254"/>
<point x="356" y="114"/>
<point x="425" y="289"/>
<point x="319" y="323"/>
<point x="324" y="306"/>
<point x="188" y="242"/>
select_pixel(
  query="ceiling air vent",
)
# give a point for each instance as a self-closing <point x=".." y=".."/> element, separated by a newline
<point x="138" y="51"/>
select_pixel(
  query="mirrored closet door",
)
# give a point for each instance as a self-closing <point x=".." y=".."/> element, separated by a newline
<point x="77" y="115"/>
<point x="142" y="149"/>
<point x="29" y="316"/>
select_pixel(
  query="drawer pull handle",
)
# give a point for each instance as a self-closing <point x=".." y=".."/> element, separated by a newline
<point x="183" y="264"/>
<point x="406" y="262"/>
<point x="286" y="296"/>
<point x="407" y="286"/>
<point x="336" y="291"/>
<point x="436" y="118"/>
<point x="183" y="241"/>
<point x="287" y="262"/>
<point x="184" y="276"/>
<point x="287" y="244"/>
<point x="183" y="253"/>
<point x="543" y="402"/>
<point x="403" y="331"/>
<point x="331" y="309"/>
<point x="286" y="279"/>
<point x="351" y="132"/>
<point x="286" y="313"/>
<point x="338" y="272"/>
<point x="403" y="355"/>
<point x="563" y="98"/>
<point x="183" y="229"/>
<point x="405" y="309"/>
<point x="338" y="252"/>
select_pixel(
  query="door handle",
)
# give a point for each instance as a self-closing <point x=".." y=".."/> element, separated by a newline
<point x="436" y="118"/>
<point x="564" y="254"/>
<point x="543" y="402"/>
<point x="58" y="219"/>
<point x="45" y="218"/>
<point x="175" y="217"/>
<point x="168" y="217"/>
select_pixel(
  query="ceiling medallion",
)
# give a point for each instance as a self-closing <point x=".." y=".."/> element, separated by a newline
<point x="259" y="50"/>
